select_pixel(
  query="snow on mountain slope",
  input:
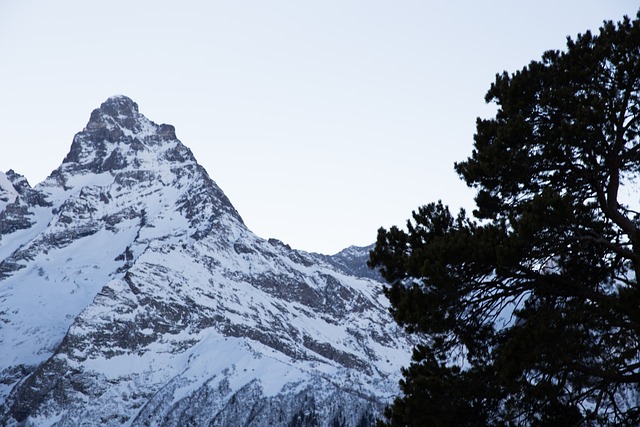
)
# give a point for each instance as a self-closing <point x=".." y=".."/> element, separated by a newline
<point x="131" y="293"/>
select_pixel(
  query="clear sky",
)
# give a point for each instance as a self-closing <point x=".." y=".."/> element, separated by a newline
<point x="321" y="120"/>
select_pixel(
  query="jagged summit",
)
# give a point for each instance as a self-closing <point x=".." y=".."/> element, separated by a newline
<point x="135" y="151"/>
<point x="118" y="130"/>
<point x="120" y="104"/>
<point x="119" y="110"/>
<point x="120" y="100"/>
<point x="121" y="166"/>
<point x="131" y="293"/>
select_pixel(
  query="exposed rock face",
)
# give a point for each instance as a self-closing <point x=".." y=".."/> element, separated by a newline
<point x="131" y="293"/>
<point x="353" y="261"/>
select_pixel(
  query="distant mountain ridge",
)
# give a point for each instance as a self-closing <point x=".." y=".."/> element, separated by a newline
<point x="132" y="293"/>
<point x="353" y="261"/>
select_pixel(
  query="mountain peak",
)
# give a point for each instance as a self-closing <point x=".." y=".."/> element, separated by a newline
<point x="117" y="129"/>
<point x="136" y="152"/>
<point x="119" y="105"/>
<point x="118" y="110"/>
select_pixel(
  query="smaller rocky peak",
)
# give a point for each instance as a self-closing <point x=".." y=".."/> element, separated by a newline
<point x="8" y="193"/>
<point x="355" y="252"/>
<point x="16" y="200"/>
<point x="167" y="131"/>
<point x="17" y="181"/>
<point x="353" y="261"/>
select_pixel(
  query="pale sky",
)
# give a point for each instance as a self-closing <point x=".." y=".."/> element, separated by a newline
<point x="321" y="120"/>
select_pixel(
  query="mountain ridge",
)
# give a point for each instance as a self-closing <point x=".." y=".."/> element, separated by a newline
<point x="132" y="293"/>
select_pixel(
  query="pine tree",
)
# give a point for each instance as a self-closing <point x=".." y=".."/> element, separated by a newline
<point x="528" y="312"/>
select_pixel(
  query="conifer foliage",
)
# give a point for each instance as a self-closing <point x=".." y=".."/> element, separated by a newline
<point x="528" y="312"/>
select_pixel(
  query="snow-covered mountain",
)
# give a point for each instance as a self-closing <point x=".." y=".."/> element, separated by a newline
<point x="132" y="293"/>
